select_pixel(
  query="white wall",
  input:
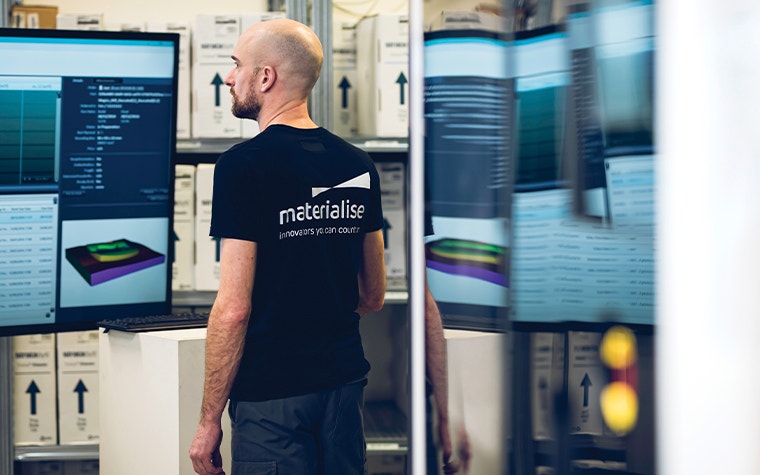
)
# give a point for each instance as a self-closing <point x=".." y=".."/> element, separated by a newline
<point x="708" y="233"/>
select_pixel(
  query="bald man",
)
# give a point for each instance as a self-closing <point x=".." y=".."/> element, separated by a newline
<point x="298" y="213"/>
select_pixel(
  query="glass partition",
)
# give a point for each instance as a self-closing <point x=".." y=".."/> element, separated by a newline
<point x="540" y="157"/>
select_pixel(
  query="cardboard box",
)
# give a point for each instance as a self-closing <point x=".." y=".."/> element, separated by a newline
<point x="214" y="40"/>
<point x="207" y="248"/>
<point x="79" y="21"/>
<point x="251" y="127"/>
<point x="183" y="267"/>
<point x="346" y="82"/>
<point x="34" y="16"/>
<point x="35" y="420"/>
<point x="184" y="73"/>
<point x="585" y="379"/>
<point x="393" y="187"/>
<point x="547" y="370"/>
<point x="78" y="388"/>
<point x="248" y="19"/>
<point x="127" y="26"/>
<point x="382" y="58"/>
<point x="211" y="113"/>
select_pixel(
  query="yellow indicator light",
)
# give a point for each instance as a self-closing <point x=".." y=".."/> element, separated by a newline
<point x="618" y="348"/>
<point x="620" y="407"/>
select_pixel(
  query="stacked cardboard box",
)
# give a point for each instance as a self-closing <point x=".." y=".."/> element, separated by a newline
<point x="33" y="16"/>
<point x="184" y="76"/>
<point x="78" y="392"/>
<point x="207" y="248"/>
<point x="382" y="58"/>
<point x="345" y="82"/>
<point x="214" y="39"/>
<point x="184" y="228"/>
<point x="35" y="420"/>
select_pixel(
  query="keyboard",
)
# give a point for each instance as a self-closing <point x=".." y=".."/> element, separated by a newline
<point x="173" y="321"/>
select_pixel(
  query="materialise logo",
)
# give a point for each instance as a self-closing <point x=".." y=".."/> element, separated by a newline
<point x="343" y="209"/>
<point x="361" y="181"/>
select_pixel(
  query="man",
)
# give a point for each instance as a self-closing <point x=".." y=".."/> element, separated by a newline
<point x="298" y="210"/>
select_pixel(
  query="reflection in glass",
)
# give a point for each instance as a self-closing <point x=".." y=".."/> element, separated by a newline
<point x="582" y="241"/>
<point x="466" y="114"/>
<point x="466" y="166"/>
<point x="540" y="153"/>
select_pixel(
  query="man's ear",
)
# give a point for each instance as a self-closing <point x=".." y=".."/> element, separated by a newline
<point x="268" y="78"/>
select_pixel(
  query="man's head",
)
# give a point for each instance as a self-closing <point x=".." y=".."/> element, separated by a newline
<point x="277" y="63"/>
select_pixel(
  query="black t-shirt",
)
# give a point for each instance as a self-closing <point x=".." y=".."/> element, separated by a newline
<point x="307" y="198"/>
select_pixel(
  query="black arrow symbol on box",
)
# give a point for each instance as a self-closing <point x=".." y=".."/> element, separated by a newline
<point x="33" y="390"/>
<point x="401" y="81"/>
<point x="217" y="82"/>
<point x="543" y="388"/>
<point x="585" y="383"/>
<point x="174" y="245"/>
<point x="386" y="227"/>
<point x="344" y="86"/>
<point x="81" y="389"/>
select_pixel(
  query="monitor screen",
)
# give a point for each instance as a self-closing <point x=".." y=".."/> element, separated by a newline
<point x="87" y="148"/>
<point x="467" y="115"/>
<point x="582" y="223"/>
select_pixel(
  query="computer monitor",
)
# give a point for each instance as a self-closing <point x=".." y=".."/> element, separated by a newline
<point x="467" y="114"/>
<point x="87" y="152"/>
<point x="585" y="136"/>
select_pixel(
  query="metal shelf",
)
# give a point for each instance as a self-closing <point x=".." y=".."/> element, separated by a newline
<point x="385" y="433"/>
<point x="193" y="298"/>
<point x="385" y="428"/>
<point x="57" y="453"/>
<point x="369" y="144"/>
<point x="396" y="296"/>
<point x="380" y="144"/>
<point x="205" y="298"/>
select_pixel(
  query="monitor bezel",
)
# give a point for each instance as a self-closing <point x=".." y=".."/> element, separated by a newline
<point x="129" y="36"/>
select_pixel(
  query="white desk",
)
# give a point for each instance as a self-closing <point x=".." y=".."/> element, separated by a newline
<point x="478" y="396"/>
<point x="151" y="388"/>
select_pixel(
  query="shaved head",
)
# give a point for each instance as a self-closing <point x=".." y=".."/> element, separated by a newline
<point x="290" y="47"/>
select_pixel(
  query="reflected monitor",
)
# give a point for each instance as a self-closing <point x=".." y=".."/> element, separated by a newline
<point x="467" y="91"/>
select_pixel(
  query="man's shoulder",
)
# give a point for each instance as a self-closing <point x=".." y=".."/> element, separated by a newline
<point x="249" y="151"/>
<point x="253" y="143"/>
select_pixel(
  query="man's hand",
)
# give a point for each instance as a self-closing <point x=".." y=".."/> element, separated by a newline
<point x="462" y="465"/>
<point x="204" y="451"/>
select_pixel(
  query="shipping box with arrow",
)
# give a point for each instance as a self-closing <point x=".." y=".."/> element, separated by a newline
<point x="34" y="396"/>
<point x="345" y="81"/>
<point x="78" y="393"/>
<point x="382" y="60"/>
<point x="213" y="40"/>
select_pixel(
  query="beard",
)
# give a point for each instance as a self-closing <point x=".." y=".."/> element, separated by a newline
<point x="247" y="109"/>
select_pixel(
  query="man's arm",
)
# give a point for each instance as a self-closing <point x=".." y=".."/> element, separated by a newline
<point x="437" y="371"/>
<point x="225" y="338"/>
<point x="435" y="363"/>
<point x="372" y="274"/>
